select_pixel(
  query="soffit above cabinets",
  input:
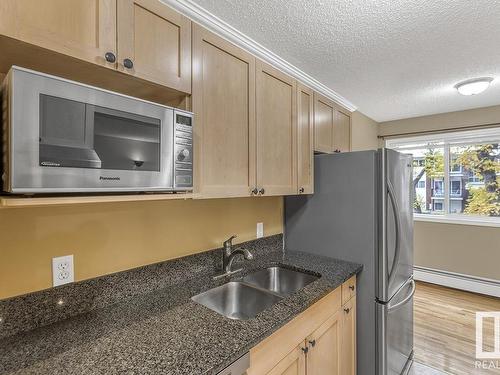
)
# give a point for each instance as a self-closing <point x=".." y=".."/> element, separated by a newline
<point x="392" y="59"/>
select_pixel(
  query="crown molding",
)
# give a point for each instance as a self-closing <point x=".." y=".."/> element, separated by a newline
<point x="211" y="22"/>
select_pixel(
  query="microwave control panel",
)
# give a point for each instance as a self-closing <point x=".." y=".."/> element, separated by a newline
<point x="183" y="150"/>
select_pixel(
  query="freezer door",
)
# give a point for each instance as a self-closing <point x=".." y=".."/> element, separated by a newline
<point x="395" y="223"/>
<point x="395" y="332"/>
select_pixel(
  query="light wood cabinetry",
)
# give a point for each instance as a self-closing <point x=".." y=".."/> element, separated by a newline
<point x="323" y="356"/>
<point x="342" y="131"/>
<point x="348" y="289"/>
<point x="332" y="126"/>
<point x="224" y="107"/>
<point x="293" y="364"/>
<point x="305" y="140"/>
<point x="321" y="340"/>
<point x="348" y="347"/>
<point x="154" y="43"/>
<point x="85" y="30"/>
<point x="143" y="38"/>
<point x="276" y="131"/>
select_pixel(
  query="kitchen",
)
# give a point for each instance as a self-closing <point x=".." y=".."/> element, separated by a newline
<point x="171" y="195"/>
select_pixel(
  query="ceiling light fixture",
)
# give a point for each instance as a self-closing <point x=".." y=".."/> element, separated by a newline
<point x="473" y="86"/>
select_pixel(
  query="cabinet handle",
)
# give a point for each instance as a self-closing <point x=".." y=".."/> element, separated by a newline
<point x="254" y="191"/>
<point x="351" y="287"/>
<point x="262" y="191"/>
<point x="347" y="310"/>
<point x="110" y="57"/>
<point x="312" y="342"/>
<point x="127" y="63"/>
<point x="301" y="190"/>
<point x="305" y="350"/>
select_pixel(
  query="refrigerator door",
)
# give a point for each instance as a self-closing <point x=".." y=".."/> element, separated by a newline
<point x="395" y="255"/>
<point x="395" y="332"/>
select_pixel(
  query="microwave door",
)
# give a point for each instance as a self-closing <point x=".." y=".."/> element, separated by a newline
<point x="125" y="141"/>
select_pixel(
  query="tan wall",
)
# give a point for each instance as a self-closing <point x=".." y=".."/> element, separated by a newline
<point x="466" y="249"/>
<point x="107" y="238"/>
<point x="364" y="132"/>
<point x="471" y="117"/>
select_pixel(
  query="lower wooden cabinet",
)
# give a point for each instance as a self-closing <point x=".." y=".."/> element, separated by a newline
<point x="293" y="364"/>
<point x="324" y="346"/>
<point x="320" y="341"/>
<point x="348" y="347"/>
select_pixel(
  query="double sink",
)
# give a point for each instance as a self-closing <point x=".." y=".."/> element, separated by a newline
<point x="255" y="292"/>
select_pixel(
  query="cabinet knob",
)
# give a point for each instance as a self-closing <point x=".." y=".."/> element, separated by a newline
<point x="110" y="57"/>
<point x="255" y="191"/>
<point x="127" y="63"/>
<point x="312" y="342"/>
<point x="301" y="190"/>
<point x="305" y="350"/>
<point x="351" y="287"/>
<point x="262" y="191"/>
<point x="347" y="310"/>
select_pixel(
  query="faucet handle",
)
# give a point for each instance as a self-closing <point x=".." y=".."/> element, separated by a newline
<point x="229" y="240"/>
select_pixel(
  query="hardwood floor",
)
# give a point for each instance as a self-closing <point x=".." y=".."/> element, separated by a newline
<point x="445" y="331"/>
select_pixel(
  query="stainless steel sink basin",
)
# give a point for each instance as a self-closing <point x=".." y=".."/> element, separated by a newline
<point x="279" y="280"/>
<point x="236" y="300"/>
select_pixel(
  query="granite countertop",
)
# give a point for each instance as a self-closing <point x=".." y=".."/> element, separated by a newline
<point x="163" y="331"/>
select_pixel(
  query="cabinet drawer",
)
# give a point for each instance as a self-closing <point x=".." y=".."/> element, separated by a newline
<point x="348" y="289"/>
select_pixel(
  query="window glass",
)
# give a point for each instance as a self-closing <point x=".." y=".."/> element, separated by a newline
<point x="456" y="173"/>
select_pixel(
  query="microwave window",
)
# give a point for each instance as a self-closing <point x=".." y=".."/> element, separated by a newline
<point x="125" y="141"/>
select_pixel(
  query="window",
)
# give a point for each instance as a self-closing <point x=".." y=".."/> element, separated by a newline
<point x="456" y="176"/>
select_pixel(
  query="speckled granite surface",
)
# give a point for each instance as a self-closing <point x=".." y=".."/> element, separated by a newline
<point x="155" y="328"/>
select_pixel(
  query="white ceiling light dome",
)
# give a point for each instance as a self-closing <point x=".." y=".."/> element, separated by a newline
<point x="473" y="86"/>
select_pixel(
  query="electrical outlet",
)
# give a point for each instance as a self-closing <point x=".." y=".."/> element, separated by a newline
<point x="62" y="270"/>
<point x="260" y="230"/>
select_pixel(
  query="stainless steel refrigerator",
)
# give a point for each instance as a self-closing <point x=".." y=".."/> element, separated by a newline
<point x="362" y="211"/>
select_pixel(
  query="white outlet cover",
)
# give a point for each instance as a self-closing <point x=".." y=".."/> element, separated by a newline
<point x="260" y="230"/>
<point x="62" y="270"/>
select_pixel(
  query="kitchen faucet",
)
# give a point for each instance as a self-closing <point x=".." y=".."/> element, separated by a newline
<point x="228" y="255"/>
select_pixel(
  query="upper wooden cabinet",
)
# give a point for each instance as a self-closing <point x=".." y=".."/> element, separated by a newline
<point x="143" y="38"/>
<point x="332" y="126"/>
<point x="224" y="107"/>
<point x="154" y="43"/>
<point x="305" y="140"/>
<point x="276" y="131"/>
<point x="85" y="30"/>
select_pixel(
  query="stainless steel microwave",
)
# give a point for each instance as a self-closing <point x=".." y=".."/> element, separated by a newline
<point x="61" y="136"/>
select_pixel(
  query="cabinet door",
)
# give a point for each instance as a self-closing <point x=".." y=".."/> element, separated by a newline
<point x="293" y="364"/>
<point x="224" y="107"/>
<point x="324" y="117"/>
<point x="157" y="40"/>
<point x="85" y="30"/>
<point x="348" y="348"/>
<point x="276" y="131"/>
<point x="305" y="140"/>
<point x="342" y="132"/>
<point x="324" y="348"/>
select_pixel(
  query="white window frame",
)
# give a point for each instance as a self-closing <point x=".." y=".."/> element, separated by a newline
<point x="444" y="140"/>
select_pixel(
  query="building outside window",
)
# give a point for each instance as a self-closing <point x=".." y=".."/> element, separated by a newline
<point x="456" y="175"/>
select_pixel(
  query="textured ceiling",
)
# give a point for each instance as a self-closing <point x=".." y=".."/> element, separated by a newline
<point x="391" y="58"/>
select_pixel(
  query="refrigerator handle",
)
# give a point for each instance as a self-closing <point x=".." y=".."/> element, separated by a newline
<point x="397" y="251"/>
<point x="409" y="297"/>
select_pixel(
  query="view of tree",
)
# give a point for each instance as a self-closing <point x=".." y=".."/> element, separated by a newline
<point x="484" y="162"/>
